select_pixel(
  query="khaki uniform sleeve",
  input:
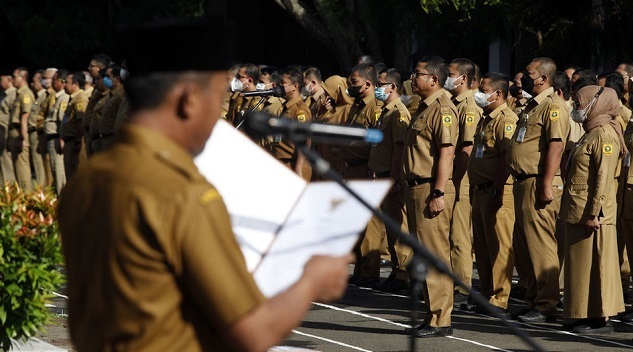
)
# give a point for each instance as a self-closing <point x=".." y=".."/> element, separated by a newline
<point x="399" y="125"/>
<point x="469" y="128"/>
<point x="444" y="123"/>
<point x="213" y="269"/>
<point x="605" y="153"/>
<point x="504" y="133"/>
<point x="554" y="123"/>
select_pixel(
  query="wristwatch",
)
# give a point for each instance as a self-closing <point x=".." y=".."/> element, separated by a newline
<point x="437" y="193"/>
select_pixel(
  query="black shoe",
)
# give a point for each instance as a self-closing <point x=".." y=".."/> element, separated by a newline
<point x="516" y="315"/>
<point x="459" y="298"/>
<point x="413" y="330"/>
<point x="353" y="280"/>
<point x="431" y="331"/>
<point x="535" y="316"/>
<point x="394" y="286"/>
<point x="626" y="317"/>
<point x="595" y="326"/>
<point x="571" y="326"/>
<point x="518" y="292"/>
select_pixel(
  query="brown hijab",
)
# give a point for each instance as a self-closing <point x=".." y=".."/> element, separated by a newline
<point x="605" y="110"/>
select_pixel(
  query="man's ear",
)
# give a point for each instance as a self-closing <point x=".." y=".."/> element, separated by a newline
<point x="186" y="101"/>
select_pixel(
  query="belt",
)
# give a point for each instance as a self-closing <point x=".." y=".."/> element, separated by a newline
<point x="15" y="125"/>
<point x="419" y="181"/>
<point x="524" y="177"/>
<point x="482" y="186"/>
<point x="383" y="174"/>
<point x="52" y="136"/>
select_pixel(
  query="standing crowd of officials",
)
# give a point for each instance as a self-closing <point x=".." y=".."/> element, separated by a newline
<point x="531" y="173"/>
<point x="53" y="119"/>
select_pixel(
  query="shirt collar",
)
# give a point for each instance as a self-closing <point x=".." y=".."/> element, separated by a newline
<point x="433" y="97"/>
<point x="160" y="146"/>
<point x="496" y="112"/>
<point x="541" y="97"/>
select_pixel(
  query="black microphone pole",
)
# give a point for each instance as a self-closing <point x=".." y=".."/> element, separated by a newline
<point x="422" y="253"/>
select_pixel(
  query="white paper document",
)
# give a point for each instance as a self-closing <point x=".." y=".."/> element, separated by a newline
<point x="279" y="220"/>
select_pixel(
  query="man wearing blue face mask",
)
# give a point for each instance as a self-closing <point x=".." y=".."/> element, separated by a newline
<point x="461" y="74"/>
<point x="385" y="160"/>
<point x="111" y="80"/>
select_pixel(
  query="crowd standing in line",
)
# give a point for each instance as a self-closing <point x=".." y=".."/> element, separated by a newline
<point x="531" y="173"/>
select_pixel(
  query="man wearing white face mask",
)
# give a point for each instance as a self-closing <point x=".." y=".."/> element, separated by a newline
<point x="269" y="79"/>
<point x="245" y="80"/>
<point x="534" y="158"/>
<point x="461" y="75"/>
<point x="492" y="200"/>
<point x="314" y="92"/>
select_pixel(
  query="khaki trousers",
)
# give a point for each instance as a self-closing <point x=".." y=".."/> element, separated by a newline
<point x="625" y="228"/>
<point x="368" y="250"/>
<point x="394" y="207"/>
<point x="536" y="233"/>
<point x="433" y="233"/>
<point x="461" y="236"/>
<point x="493" y="224"/>
<point x="6" y="164"/>
<point x="57" y="164"/>
<point x="20" y="158"/>
<point x="592" y="273"/>
<point x="36" y="159"/>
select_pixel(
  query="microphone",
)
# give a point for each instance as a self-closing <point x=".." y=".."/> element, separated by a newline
<point x="260" y="124"/>
<point x="277" y="91"/>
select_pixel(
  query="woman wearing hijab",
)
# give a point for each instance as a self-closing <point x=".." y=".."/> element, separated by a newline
<point x="592" y="273"/>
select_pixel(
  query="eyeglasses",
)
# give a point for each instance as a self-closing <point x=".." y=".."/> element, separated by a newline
<point x="415" y="75"/>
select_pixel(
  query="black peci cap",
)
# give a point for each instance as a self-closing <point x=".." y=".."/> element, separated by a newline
<point x="177" y="45"/>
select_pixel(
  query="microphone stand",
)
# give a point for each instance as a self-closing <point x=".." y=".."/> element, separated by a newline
<point x="261" y="100"/>
<point x="422" y="259"/>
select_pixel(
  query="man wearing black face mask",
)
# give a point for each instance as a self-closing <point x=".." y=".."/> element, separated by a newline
<point x="534" y="158"/>
<point x="364" y="113"/>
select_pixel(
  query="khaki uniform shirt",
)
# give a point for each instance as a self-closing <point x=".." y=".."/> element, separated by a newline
<point x="363" y="113"/>
<point x="435" y="125"/>
<point x="46" y="107"/>
<point x="517" y="105"/>
<point x="111" y="108"/>
<point x="294" y="109"/>
<point x="468" y="115"/>
<point x="590" y="186"/>
<point x="56" y="113"/>
<point x="97" y="111"/>
<point x="23" y="103"/>
<point x="95" y="95"/>
<point x="545" y="118"/>
<point x="123" y="115"/>
<point x="152" y="261"/>
<point x="71" y="124"/>
<point x="239" y="106"/>
<point x="576" y="130"/>
<point x="394" y="123"/>
<point x="316" y="103"/>
<point x="34" y="117"/>
<point x="273" y="105"/>
<point x="6" y="105"/>
<point x="493" y="137"/>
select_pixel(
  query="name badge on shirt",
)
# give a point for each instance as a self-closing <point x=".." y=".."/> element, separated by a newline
<point x="521" y="134"/>
<point x="627" y="160"/>
<point x="479" y="153"/>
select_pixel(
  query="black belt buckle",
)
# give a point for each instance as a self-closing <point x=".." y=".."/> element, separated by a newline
<point x="419" y="181"/>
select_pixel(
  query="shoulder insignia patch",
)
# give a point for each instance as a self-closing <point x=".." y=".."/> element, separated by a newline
<point x="554" y="112"/>
<point x="607" y="149"/>
<point x="470" y="119"/>
<point x="447" y="120"/>
<point x="508" y="128"/>
<point x="80" y="106"/>
<point x="26" y="99"/>
<point x="209" y="196"/>
<point x="301" y="116"/>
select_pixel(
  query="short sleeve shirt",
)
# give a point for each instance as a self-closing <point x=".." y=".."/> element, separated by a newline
<point x="394" y="123"/>
<point x="434" y="126"/>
